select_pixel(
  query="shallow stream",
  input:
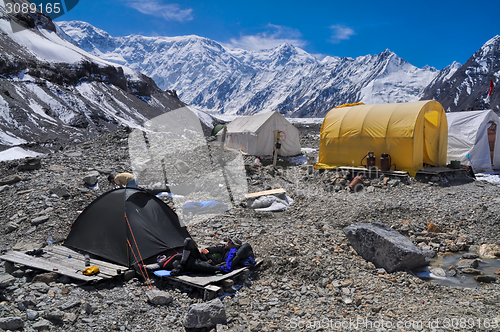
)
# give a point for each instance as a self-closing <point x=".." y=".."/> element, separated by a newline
<point x="488" y="266"/>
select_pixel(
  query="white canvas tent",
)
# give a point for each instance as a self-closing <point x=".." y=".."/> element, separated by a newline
<point x="468" y="139"/>
<point x="256" y="135"/>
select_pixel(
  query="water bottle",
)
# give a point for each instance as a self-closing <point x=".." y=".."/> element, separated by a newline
<point x="87" y="260"/>
<point x="50" y="242"/>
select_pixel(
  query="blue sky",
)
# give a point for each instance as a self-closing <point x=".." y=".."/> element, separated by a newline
<point x="434" y="33"/>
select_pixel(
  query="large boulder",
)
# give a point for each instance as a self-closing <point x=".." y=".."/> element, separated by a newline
<point x="208" y="314"/>
<point x="29" y="164"/>
<point x="384" y="247"/>
<point x="10" y="179"/>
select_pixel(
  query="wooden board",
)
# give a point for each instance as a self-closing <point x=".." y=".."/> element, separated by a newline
<point x="440" y="170"/>
<point x="266" y="192"/>
<point x="57" y="260"/>
<point x="204" y="280"/>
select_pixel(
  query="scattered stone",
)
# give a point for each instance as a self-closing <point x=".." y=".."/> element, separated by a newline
<point x="11" y="323"/>
<point x="46" y="278"/>
<point x="468" y="270"/>
<point x="437" y="271"/>
<point x="433" y="228"/>
<point x="39" y="287"/>
<point x="473" y="264"/>
<point x="32" y="314"/>
<point x="6" y="280"/>
<point x="70" y="304"/>
<point x="11" y="179"/>
<point x="61" y="192"/>
<point x="87" y="307"/>
<point x="4" y="188"/>
<point x="207" y="314"/>
<point x="182" y="166"/>
<point x="158" y="297"/>
<point x="488" y="250"/>
<point x="11" y="226"/>
<point x="384" y="247"/>
<point x="42" y="325"/>
<point x="469" y="255"/>
<point x="73" y="153"/>
<point x="90" y="179"/>
<point x="29" y="164"/>
<point x="485" y="279"/>
<point x="39" y="220"/>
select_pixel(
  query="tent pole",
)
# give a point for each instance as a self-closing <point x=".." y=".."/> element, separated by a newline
<point x="223" y="140"/>
<point x="277" y="135"/>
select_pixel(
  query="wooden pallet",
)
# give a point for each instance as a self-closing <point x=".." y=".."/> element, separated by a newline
<point x="57" y="260"/>
<point x="207" y="282"/>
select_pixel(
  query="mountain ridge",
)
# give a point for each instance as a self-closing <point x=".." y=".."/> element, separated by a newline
<point x="234" y="81"/>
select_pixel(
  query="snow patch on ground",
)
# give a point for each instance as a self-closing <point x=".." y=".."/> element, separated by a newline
<point x="489" y="177"/>
<point x="8" y="138"/>
<point x="17" y="153"/>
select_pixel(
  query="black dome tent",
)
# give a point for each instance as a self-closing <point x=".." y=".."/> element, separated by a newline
<point x="126" y="225"/>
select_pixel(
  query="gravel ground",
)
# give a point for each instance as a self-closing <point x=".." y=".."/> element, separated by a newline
<point x="310" y="279"/>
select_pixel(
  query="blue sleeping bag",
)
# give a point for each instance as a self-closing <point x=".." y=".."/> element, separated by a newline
<point x="197" y="207"/>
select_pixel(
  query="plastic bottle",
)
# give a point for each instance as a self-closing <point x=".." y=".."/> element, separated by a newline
<point x="87" y="260"/>
<point x="50" y="242"/>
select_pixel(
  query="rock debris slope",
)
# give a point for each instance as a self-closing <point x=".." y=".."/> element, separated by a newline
<point x="310" y="274"/>
<point x="52" y="92"/>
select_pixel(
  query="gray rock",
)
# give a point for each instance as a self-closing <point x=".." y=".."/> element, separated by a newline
<point x="18" y="273"/>
<point x="158" y="297"/>
<point x="11" y="179"/>
<point x="6" y="280"/>
<point x="88" y="308"/>
<point x="39" y="220"/>
<point x="40" y="287"/>
<point x="60" y="192"/>
<point x="29" y="164"/>
<point x="90" y="179"/>
<point x="468" y="263"/>
<point x="182" y="166"/>
<point x="437" y="271"/>
<point x="32" y="314"/>
<point x="73" y="154"/>
<point x="46" y="277"/>
<point x="11" y="323"/>
<point x="55" y="315"/>
<point x="384" y="247"/>
<point x="3" y="188"/>
<point x="70" y="304"/>
<point x="469" y="255"/>
<point x="207" y="314"/>
<point x="11" y="226"/>
<point x="42" y="325"/>
<point x="485" y="278"/>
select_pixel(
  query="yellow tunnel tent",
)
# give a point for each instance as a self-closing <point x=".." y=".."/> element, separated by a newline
<point x="411" y="133"/>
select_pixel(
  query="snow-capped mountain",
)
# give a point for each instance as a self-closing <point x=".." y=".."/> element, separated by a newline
<point x="234" y="81"/>
<point x="52" y="92"/>
<point x="466" y="88"/>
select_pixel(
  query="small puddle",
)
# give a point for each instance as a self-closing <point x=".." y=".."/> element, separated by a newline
<point x="488" y="266"/>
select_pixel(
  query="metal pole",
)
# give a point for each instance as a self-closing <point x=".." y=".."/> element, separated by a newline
<point x="276" y="147"/>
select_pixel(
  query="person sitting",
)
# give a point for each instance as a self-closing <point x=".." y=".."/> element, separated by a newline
<point x="222" y="258"/>
<point x="123" y="180"/>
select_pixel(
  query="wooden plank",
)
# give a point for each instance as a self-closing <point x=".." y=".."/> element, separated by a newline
<point x="43" y="264"/>
<point x="266" y="192"/>
<point x="65" y="251"/>
<point x="203" y="280"/>
<point x="57" y="258"/>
